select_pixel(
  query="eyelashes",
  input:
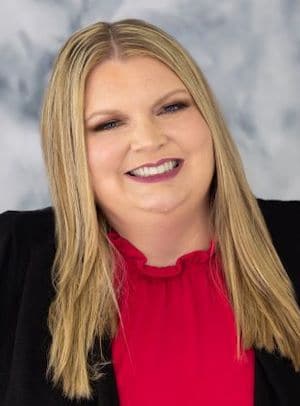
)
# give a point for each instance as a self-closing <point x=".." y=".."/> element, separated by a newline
<point x="169" y="108"/>
<point x="180" y="105"/>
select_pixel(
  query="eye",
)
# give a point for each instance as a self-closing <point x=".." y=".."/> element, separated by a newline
<point x="172" y="108"/>
<point x="105" y="126"/>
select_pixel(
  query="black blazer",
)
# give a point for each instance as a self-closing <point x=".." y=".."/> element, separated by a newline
<point x="26" y="253"/>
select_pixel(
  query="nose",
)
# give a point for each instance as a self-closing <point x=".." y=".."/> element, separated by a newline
<point x="147" y="135"/>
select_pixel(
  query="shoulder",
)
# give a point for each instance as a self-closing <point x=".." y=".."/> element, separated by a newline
<point x="283" y="222"/>
<point x="21" y="234"/>
<point x="26" y="226"/>
<point x="282" y="218"/>
<point x="276" y="209"/>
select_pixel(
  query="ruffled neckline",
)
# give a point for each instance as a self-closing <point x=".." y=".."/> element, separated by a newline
<point x="132" y="254"/>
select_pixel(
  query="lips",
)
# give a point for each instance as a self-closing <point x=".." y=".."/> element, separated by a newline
<point x="151" y="165"/>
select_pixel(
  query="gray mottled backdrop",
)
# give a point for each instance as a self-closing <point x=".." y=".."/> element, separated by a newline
<point x="249" y="51"/>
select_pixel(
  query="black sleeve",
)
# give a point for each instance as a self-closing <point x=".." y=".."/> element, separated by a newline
<point x="7" y="220"/>
<point x="283" y="221"/>
<point x="9" y="292"/>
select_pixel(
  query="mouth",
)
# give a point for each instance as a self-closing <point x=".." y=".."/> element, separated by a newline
<point x="164" y="176"/>
<point x="178" y="161"/>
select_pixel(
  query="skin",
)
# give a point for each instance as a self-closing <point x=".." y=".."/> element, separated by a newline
<point x="165" y="219"/>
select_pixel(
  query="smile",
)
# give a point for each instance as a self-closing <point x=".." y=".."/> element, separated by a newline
<point x="160" y="173"/>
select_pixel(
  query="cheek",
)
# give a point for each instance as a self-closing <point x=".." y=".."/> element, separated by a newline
<point x="101" y="156"/>
<point x="194" y="132"/>
<point x="208" y="152"/>
<point x="201" y="141"/>
<point x="207" y="144"/>
<point x="203" y="150"/>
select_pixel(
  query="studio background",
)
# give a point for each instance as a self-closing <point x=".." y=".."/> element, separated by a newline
<point x="249" y="51"/>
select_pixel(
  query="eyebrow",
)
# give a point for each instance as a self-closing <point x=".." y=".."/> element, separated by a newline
<point x="160" y="100"/>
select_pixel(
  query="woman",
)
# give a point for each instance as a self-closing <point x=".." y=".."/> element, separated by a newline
<point x="157" y="277"/>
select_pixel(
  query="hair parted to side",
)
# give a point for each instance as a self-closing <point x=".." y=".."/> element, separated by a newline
<point x="85" y="308"/>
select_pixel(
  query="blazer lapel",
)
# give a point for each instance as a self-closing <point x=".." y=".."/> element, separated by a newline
<point x="105" y="388"/>
<point x="276" y="382"/>
<point x="263" y="392"/>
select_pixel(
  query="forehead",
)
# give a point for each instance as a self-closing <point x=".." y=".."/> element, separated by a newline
<point x="133" y="74"/>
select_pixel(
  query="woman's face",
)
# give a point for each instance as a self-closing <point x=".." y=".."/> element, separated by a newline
<point x="142" y="128"/>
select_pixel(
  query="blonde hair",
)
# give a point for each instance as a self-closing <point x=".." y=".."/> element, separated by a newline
<point x="85" y="307"/>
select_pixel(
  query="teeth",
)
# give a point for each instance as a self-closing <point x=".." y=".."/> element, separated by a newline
<point x="166" y="167"/>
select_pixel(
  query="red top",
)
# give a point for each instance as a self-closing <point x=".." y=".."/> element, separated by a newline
<point x="180" y="331"/>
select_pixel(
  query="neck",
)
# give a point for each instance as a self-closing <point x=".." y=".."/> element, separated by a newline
<point x="162" y="242"/>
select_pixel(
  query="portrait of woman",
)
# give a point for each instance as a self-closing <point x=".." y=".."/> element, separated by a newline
<point x="156" y="277"/>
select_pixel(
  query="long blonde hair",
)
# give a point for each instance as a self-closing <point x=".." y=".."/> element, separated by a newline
<point x="85" y="307"/>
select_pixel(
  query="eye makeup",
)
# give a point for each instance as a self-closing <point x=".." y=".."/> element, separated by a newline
<point x="180" y="105"/>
